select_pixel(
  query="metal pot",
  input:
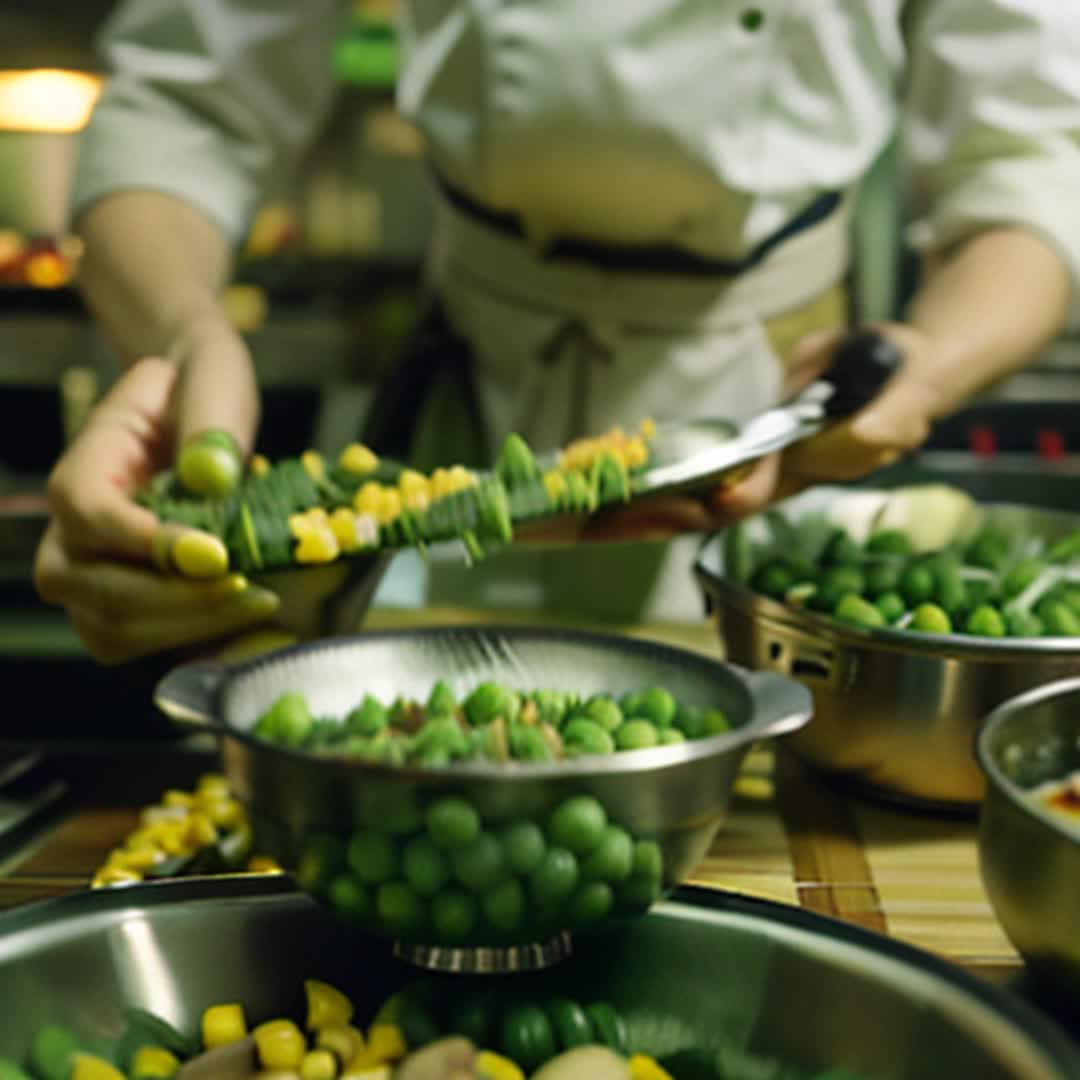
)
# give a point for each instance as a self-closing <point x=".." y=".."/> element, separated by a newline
<point x="1028" y="855"/>
<point x="755" y="981"/>
<point x="672" y="799"/>
<point x="895" y="712"/>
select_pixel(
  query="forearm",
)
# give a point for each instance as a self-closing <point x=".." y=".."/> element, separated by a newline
<point x="989" y="307"/>
<point x="153" y="273"/>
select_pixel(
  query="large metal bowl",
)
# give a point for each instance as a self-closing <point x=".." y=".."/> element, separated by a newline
<point x="1029" y="856"/>
<point x="895" y="712"/>
<point x="671" y="798"/>
<point x="758" y="981"/>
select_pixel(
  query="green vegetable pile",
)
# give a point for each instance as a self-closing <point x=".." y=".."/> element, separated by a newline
<point x="492" y="723"/>
<point x="457" y="871"/>
<point x="997" y="583"/>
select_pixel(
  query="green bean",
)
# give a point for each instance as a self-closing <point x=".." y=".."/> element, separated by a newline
<point x="1020" y="575"/>
<point x="738" y="551"/>
<point x="1068" y="547"/>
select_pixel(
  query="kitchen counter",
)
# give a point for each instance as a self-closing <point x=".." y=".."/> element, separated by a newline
<point x="790" y="837"/>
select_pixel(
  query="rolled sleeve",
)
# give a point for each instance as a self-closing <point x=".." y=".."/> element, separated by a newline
<point x="992" y="132"/>
<point x="212" y="101"/>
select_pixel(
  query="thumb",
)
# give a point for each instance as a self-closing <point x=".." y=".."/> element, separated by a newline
<point x="217" y="389"/>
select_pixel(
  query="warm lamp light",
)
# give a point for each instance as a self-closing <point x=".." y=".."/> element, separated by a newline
<point x="47" y="100"/>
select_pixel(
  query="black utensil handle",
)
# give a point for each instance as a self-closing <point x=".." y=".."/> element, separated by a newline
<point x="863" y="363"/>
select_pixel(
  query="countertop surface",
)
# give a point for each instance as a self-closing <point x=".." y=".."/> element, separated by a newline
<point x="790" y="837"/>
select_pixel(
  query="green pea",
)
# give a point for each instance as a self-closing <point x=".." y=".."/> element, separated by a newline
<point x="322" y="860"/>
<point x="51" y="1051"/>
<point x="989" y="549"/>
<point x="601" y="710"/>
<point x="10" y="1070"/>
<point x="210" y="464"/>
<point x="656" y="705"/>
<point x="504" y="905"/>
<point x="527" y="1037"/>
<point x="917" y="584"/>
<point x="441" y="700"/>
<point x="387" y="748"/>
<point x="889" y="542"/>
<point x="856" y="611"/>
<point x="578" y="824"/>
<point x="523" y="846"/>
<point x="1023" y="624"/>
<point x="1020" y="575"/>
<point x="368" y="718"/>
<point x="490" y="700"/>
<point x="590" y="903"/>
<point x="985" y="621"/>
<point x="425" y="866"/>
<point x="835" y="584"/>
<point x="891" y="605"/>
<point x="288" y="721"/>
<point x="454" y="915"/>
<point x="551" y="707"/>
<point x="452" y="822"/>
<point x="713" y="722"/>
<point x="1060" y="621"/>
<point x="349" y="897"/>
<point x="882" y="578"/>
<point x="554" y="879"/>
<point x="773" y="579"/>
<point x="639" y="892"/>
<point x="584" y="737"/>
<point x="688" y="720"/>
<point x="529" y="744"/>
<point x="636" y="735"/>
<point x="398" y="907"/>
<point x="474" y="1018"/>
<point x="930" y="619"/>
<point x="480" y="864"/>
<point x="612" y="859"/>
<point x="372" y="857"/>
<point x="393" y="809"/>
<point x="648" y="860"/>
<point x="443" y="736"/>
<point x="841" y="550"/>
<point x="670" y="736"/>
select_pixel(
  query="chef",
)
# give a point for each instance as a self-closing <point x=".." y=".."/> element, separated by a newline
<point x="643" y="209"/>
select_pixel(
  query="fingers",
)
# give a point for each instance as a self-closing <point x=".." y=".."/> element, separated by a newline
<point x="218" y="390"/>
<point x="654" y="519"/>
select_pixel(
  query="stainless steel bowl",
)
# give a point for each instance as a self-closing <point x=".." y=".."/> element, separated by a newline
<point x="670" y="799"/>
<point x="753" y="980"/>
<point x="1029" y="856"/>
<point x="895" y="712"/>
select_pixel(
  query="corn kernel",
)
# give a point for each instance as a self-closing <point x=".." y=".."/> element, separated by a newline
<point x="200" y="831"/>
<point x="461" y="478"/>
<point x="299" y="526"/>
<point x="225" y="814"/>
<point x="368" y="499"/>
<point x="417" y="500"/>
<point x="318" y="1065"/>
<point x="647" y="428"/>
<point x="91" y="1067"/>
<point x="410" y="480"/>
<point x="326" y="1005"/>
<point x="154" y="1063"/>
<point x="343" y="1040"/>
<point x="280" y="1044"/>
<point x="258" y="465"/>
<point x="636" y="453"/>
<point x="358" y="459"/>
<point x="385" y="1042"/>
<point x="142" y="858"/>
<point x="555" y="485"/>
<point x="173" y="838"/>
<point x="115" y="875"/>
<point x="212" y="784"/>
<point x="643" y="1067"/>
<point x="314" y="465"/>
<point x="490" y="1066"/>
<point x="439" y="484"/>
<point x="317" y="546"/>
<point x="389" y="506"/>
<point x="363" y="1071"/>
<point x="153" y="816"/>
<point x="178" y="798"/>
<point x="263" y="864"/>
<point x="223" y="1024"/>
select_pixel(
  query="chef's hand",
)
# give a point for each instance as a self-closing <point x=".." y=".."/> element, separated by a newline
<point x="895" y="423"/>
<point x="96" y="559"/>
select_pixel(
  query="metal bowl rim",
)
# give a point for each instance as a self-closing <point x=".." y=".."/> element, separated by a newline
<point x="1000" y="782"/>
<point x="946" y="646"/>
<point x="623" y="762"/>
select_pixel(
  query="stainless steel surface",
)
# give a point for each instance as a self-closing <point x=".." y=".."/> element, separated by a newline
<point x="674" y="795"/>
<point x="706" y="969"/>
<point x="487" y="961"/>
<point x="895" y="712"/>
<point x="1030" y="857"/>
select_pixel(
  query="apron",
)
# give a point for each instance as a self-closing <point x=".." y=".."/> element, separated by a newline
<point x="555" y="346"/>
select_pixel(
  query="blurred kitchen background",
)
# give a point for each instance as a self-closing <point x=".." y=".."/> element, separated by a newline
<point x="325" y="289"/>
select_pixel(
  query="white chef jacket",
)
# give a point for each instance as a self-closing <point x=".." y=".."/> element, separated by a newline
<point x="699" y="125"/>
